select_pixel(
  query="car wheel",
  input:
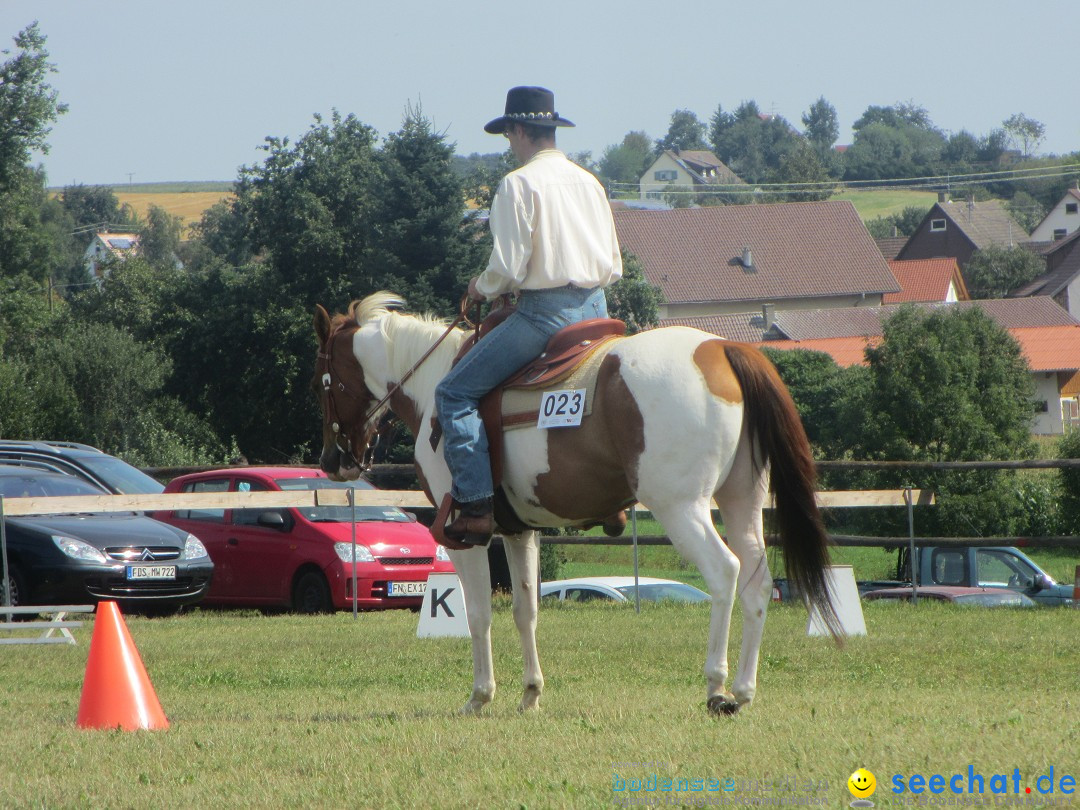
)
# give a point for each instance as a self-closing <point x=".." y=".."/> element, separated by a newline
<point x="15" y="587"/>
<point x="311" y="594"/>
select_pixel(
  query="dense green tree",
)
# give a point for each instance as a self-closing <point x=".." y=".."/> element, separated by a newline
<point x="828" y="397"/>
<point x="627" y="161"/>
<point x="822" y="125"/>
<point x="418" y="249"/>
<point x="95" y="206"/>
<point x="685" y="131"/>
<point x="632" y="298"/>
<point x="802" y="164"/>
<point x="948" y="385"/>
<point x="1026" y="210"/>
<point x="28" y="104"/>
<point x="995" y="271"/>
<point x="159" y="237"/>
<point x="753" y="145"/>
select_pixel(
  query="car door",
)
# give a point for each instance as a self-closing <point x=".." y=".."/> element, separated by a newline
<point x="262" y="555"/>
<point x="209" y="526"/>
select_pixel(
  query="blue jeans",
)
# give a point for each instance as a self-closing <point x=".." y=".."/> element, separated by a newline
<point x="506" y="349"/>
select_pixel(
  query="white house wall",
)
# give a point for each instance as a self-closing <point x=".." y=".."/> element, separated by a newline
<point x="664" y="163"/>
<point x="1056" y="219"/>
<point x="696" y="310"/>
<point x="1048" y="422"/>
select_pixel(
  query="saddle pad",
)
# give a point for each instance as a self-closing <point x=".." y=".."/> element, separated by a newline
<point x="521" y="406"/>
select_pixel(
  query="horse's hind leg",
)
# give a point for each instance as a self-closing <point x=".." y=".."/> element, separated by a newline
<point x="523" y="556"/>
<point x="691" y="529"/>
<point x="475" y="575"/>
<point x="740" y="500"/>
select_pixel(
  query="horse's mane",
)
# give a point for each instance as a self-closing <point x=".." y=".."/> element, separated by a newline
<point x="407" y="337"/>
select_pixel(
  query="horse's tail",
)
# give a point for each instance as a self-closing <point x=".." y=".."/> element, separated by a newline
<point x="777" y="436"/>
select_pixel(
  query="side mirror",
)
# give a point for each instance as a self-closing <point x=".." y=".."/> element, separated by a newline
<point x="1042" y="581"/>
<point x="273" y="520"/>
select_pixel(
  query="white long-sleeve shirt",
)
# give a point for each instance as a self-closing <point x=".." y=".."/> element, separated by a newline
<point x="552" y="226"/>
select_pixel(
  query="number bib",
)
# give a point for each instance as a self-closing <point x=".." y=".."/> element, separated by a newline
<point x="561" y="408"/>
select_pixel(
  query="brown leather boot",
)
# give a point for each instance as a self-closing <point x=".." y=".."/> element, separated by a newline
<point x="474" y="524"/>
<point x="615" y="524"/>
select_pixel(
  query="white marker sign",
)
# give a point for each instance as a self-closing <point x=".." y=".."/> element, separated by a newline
<point x="561" y="408"/>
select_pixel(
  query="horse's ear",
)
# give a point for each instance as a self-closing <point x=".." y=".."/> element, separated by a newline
<point x="321" y="322"/>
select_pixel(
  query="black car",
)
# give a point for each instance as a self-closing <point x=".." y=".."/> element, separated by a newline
<point x="145" y="565"/>
<point x="81" y="460"/>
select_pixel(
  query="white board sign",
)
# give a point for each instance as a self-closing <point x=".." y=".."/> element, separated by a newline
<point x="844" y="595"/>
<point x="561" y="408"/>
<point x="443" y="612"/>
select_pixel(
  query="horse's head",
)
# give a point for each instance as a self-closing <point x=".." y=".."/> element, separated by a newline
<point x="349" y="431"/>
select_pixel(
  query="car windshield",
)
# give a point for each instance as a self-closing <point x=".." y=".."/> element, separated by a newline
<point x="44" y="486"/>
<point x="341" y="514"/>
<point x="657" y="591"/>
<point x="121" y="476"/>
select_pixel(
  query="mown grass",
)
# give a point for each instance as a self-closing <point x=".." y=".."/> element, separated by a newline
<point x="290" y="711"/>
<point x="873" y="204"/>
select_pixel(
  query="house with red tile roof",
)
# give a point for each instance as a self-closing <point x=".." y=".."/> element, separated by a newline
<point x="1062" y="277"/>
<point x="740" y="258"/>
<point x="957" y="229"/>
<point x="1063" y="219"/>
<point x="685" y="168"/>
<point x="1049" y="338"/>
<point x="937" y="281"/>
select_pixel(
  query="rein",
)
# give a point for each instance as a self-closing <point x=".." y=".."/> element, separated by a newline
<point x="331" y="410"/>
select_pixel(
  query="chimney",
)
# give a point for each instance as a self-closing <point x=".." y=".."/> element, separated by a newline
<point x="943" y="197"/>
<point x="747" y="258"/>
<point x="768" y="315"/>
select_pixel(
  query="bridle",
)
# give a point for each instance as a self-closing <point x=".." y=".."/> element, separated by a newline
<point x="331" y="386"/>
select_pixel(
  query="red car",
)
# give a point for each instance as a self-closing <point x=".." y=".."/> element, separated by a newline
<point x="301" y="558"/>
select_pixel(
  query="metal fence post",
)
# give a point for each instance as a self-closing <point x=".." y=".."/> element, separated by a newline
<point x="352" y="517"/>
<point x="5" y="582"/>
<point x="637" y="587"/>
<point x="909" y="500"/>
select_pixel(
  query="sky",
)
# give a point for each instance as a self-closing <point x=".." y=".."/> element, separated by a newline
<point x="188" y="91"/>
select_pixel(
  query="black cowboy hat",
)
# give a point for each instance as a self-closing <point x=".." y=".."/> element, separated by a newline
<point x="528" y="105"/>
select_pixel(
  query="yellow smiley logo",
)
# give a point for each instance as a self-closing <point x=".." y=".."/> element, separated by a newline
<point x="862" y="784"/>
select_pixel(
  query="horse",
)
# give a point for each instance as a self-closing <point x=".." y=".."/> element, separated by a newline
<point x="681" y="419"/>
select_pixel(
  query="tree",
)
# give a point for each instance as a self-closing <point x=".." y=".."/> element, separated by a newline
<point x="28" y="104"/>
<point x="802" y="164"/>
<point x="753" y="145"/>
<point x="632" y="298"/>
<point x="995" y="271"/>
<point x="627" y="161"/>
<point x="1024" y="133"/>
<point x="684" y="132"/>
<point x="822" y="125"/>
<point x="948" y="385"/>
<point x="159" y="238"/>
<point x="95" y="206"/>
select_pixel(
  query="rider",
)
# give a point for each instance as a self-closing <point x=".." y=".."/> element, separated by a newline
<point x="554" y="247"/>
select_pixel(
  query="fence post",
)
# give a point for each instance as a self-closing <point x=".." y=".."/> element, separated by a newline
<point x="637" y="587"/>
<point x="1076" y="585"/>
<point x="5" y="582"/>
<point x="909" y="500"/>
<point x="352" y="517"/>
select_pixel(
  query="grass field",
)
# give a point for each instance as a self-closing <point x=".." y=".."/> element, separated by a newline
<point x="290" y="711"/>
<point x="189" y="200"/>
<point x="873" y="204"/>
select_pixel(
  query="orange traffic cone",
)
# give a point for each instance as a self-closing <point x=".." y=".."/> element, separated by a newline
<point x="116" y="690"/>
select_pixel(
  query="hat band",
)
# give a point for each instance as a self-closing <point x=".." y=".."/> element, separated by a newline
<point x="531" y="116"/>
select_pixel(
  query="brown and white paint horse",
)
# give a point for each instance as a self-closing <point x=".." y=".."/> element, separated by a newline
<point x="680" y="419"/>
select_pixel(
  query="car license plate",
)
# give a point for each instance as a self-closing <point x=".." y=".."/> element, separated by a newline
<point x="406" y="589"/>
<point x="151" y="572"/>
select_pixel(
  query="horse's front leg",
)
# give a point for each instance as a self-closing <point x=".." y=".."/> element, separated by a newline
<point x="523" y="557"/>
<point x="475" y="576"/>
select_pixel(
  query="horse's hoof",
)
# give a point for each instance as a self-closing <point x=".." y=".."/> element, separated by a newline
<point x="472" y="709"/>
<point x="725" y="705"/>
